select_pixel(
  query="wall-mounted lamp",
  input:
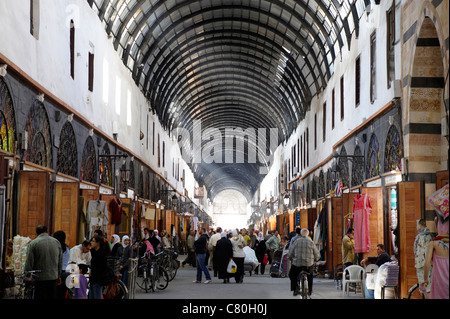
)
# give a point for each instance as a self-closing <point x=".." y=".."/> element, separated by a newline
<point x="70" y="118"/>
<point x="41" y="97"/>
<point x="91" y="132"/>
<point x="115" y="129"/>
<point x="3" y="71"/>
<point x="286" y="199"/>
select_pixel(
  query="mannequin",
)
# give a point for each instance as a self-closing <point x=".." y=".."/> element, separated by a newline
<point x="421" y="242"/>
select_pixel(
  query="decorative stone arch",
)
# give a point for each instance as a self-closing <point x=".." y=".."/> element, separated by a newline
<point x="37" y="127"/>
<point x="427" y="70"/>
<point x="88" y="171"/>
<point x="8" y="137"/>
<point x="67" y="156"/>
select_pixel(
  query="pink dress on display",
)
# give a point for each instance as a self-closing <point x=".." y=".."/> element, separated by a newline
<point x="440" y="278"/>
<point x="361" y="211"/>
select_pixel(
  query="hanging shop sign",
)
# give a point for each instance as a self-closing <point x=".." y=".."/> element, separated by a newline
<point x="106" y="190"/>
<point x="374" y="183"/>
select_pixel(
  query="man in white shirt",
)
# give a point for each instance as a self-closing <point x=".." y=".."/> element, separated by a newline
<point x="81" y="254"/>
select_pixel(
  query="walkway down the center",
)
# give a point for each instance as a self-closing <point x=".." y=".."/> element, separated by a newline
<point x="253" y="287"/>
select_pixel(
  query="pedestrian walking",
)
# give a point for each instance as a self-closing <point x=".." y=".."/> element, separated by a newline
<point x="238" y="244"/>
<point x="223" y="253"/>
<point x="99" y="267"/>
<point x="45" y="255"/>
<point x="260" y="252"/>
<point x="200" y="246"/>
<point x="127" y="253"/>
<point x="190" y="259"/>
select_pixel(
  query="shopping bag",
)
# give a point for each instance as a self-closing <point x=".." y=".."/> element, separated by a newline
<point x="265" y="259"/>
<point x="231" y="269"/>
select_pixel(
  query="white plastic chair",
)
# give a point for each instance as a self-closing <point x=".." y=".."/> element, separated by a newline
<point x="355" y="275"/>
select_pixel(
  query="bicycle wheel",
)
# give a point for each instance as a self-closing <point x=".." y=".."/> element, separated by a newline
<point x="304" y="287"/>
<point x="28" y="292"/>
<point x="162" y="279"/>
<point x="122" y="291"/>
<point x="171" y="269"/>
<point x="143" y="280"/>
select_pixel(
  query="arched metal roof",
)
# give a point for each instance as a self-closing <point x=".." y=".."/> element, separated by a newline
<point x="230" y="63"/>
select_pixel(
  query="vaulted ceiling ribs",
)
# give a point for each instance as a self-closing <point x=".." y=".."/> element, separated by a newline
<point x="230" y="63"/>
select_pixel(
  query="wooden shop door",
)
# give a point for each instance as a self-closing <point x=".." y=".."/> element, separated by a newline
<point x="34" y="191"/>
<point x="376" y="220"/>
<point x="335" y="230"/>
<point x="65" y="210"/>
<point x="411" y="207"/>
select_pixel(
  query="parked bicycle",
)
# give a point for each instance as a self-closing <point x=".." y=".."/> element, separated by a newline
<point x="170" y="262"/>
<point x="25" y="284"/>
<point x="151" y="274"/>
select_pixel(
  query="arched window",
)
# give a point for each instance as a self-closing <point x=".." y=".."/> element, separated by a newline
<point x="392" y="151"/>
<point x="105" y="167"/>
<point x="314" y="188"/>
<point x="343" y="167"/>
<point x="37" y="129"/>
<point x="89" y="162"/>
<point x="373" y="158"/>
<point x="132" y="181"/>
<point x="357" y="168"/>
<point x="67" y="158"/>
<point x="321" y="189"/>
<point x="329" y="183"/>
<point x="7" y="119"/>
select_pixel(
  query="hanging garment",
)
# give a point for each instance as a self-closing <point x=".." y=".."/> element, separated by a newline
<point x="361" y="211"/>
<point x="82" y="222"/>
<point x="195" y="221"/>
<point x="116" y="211"/>
<point x="97" y="217"/>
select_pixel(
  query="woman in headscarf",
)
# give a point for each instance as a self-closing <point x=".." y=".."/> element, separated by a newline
<point x="260" y="251"/>
<point x="127" y="253"/>
<point x="238" y="244"/>
<point x="115" y="240"/>
<point x="222" y="256"/>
